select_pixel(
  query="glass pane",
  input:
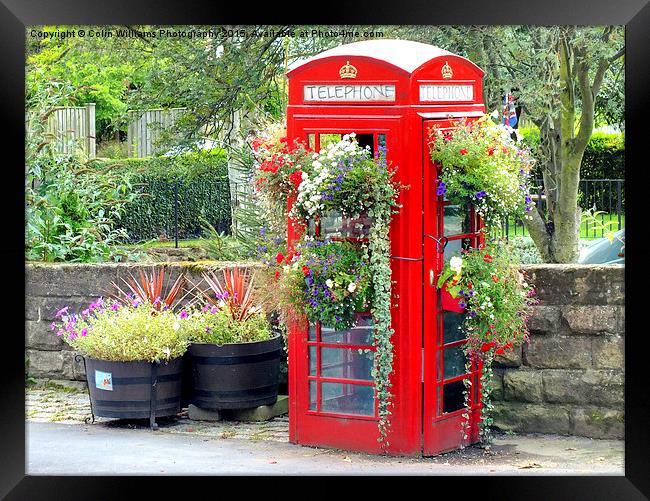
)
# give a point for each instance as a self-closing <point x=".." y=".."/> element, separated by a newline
<point x="326" y="139"/>
<point x="367" y="141"/>
<point x="348" y="399"/>
<point x="454" y="362"/>
<point x="311" y="140"/>
<point x="456" y="219"/>
<point x="334" y="224"/>
<point x="346" y="363"/>
<point x="452" y="326"/>
<point x="312" y="361"/>
<point x="381" y="140"/>
<point x="452" y="396"/>
<point x="312" y="332"/>
<point x="452" y="249"/>
<point x="312" y="395"/>
<point x="361" y="334"/>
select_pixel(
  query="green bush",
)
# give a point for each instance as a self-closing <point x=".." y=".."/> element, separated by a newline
<point x="201" y="180"/>
<point x="604" y="156"/>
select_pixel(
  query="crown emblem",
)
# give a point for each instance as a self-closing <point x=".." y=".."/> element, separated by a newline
<point x="348" y="71"/>
<point x="447" y="72"/>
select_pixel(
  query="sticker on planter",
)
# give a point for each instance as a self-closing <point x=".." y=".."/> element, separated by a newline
<point x="104" y="380"/>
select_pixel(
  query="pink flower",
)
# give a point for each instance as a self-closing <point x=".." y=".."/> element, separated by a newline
<point x="183" y="314"/>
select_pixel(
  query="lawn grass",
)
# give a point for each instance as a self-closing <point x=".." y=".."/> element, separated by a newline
<point x="587" y="231"/>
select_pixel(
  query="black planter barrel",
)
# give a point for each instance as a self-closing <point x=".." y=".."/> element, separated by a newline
<point x="134" y="390"/>
<point x="235" y="376"/>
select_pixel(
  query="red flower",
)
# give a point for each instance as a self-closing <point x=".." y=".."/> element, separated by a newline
<point x="305" y="270"/>
<point x="490" y="151"/>
<point x="487" y="346"/>
<point x="279" y="257"/>
<point x="277" y="275"/>
<point x="296" y="178"/>
<point x="463" y="151"/>
<point x="495" y="279"/>
<point x="504" y="149"/>
<point x="500" y="351"/>
<point x="469" y="285"/>
<point x="268" y="167"/>
<point x="257" y="143"/>
<point x="487" y="258"/>
<point x="507" y="345"/>
<point x="283" y="139"/>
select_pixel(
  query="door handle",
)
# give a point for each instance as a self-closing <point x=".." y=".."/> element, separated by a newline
<point x="441" y="242"/>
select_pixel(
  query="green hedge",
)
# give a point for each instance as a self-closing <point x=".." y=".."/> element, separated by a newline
<point x="604" y="156"/>
<point x="200" y="180"/>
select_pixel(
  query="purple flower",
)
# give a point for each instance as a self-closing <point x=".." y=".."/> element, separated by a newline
<point x="59" y="333"/>
<point x="472" y="314"/>
<point x="136" y="303"/>
<point x="207" y="329"/>
<point x="53" y="326"/>
<point x="442" y="189"/>
<point x="183" y="314"/>
<point x="115" y="306"/>
<point x="222" y="295"/>
<point x="84" y="332"/>
<point x="62" y="312"/>
<point x="480" y="195"/>
<point x="214" y="310"/>
<point x="462" y="305"/>
<point x="85" y="312"/>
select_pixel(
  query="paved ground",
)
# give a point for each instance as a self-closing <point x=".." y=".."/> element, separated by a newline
<point x="59" y="442"/>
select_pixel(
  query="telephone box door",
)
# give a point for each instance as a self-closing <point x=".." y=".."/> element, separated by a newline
<point x="447" y="229"/>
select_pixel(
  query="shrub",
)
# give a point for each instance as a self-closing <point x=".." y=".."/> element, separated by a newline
<point x="203" y="194"/>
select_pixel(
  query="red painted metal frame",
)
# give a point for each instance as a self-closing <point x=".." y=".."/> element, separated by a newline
<point x="416" y="315"/>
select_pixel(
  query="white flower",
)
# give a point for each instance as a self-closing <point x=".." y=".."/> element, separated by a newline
<point x="176" y="326"/>
<point x="456" y="263"/>
<point x="352" y="287"/>
<point x="329" y="283"/>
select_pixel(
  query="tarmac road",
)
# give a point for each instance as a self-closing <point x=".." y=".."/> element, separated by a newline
<point x="97" y="449"/>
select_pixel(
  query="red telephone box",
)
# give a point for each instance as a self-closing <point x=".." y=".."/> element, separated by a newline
<point x="390" y="93"/>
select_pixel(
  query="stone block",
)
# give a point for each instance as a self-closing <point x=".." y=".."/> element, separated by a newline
<point x="544" y="320"/>
<point x="564" y="284"/>
<point x="497" y="383"/>
<point x="197" y="414"/>
<point x="39" y="336"/>
<point x="261" y="413"/>
<point x="522" y="386"/>
<point x="48" y="364"/>
<point x="608" y="352"/>
<point x="598" y="422"/>
<point x="45" y="308"/>
<point x="558" y="352"/>
<point x="531" y="418"/>
<point x="595" y="387"/>
<point x="594" y="319"/>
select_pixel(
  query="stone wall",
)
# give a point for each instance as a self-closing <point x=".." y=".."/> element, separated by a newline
<point x="568" y="380"/>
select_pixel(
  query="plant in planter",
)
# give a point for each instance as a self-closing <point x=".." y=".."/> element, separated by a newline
<point x="331" y="281"/>
<point x="482" y="165"/>
<point x="495" y="296"/>
<point x="234" y="354"/>
<point x="132" y="354"/>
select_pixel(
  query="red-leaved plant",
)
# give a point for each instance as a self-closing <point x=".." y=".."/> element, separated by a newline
<point x="234" y="291"/>
<point x="149" y="289"/>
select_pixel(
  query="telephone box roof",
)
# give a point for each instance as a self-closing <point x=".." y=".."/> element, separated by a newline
<point x="404" y="54"/>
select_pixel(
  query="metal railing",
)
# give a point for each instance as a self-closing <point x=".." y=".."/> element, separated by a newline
<point x="606" y="195"/>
